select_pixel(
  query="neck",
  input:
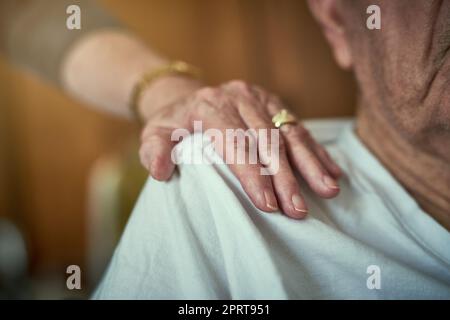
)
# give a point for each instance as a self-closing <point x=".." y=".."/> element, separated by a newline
<point x="425" y="177"/>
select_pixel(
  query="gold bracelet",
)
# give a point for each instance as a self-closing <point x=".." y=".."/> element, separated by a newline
<point x="175" y="67"/>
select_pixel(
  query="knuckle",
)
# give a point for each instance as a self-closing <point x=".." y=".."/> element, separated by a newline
<point x="144" y="148"/>
<point x="154" y="136"/>
<point x="145" y="133"/>
<point x="240" y="85"/>
<point x="260" y="94"/>
<point x="206" y="93"/>
<point x="144" y="155"/>
<point x="148" y="132"/>
<point x="275" y="99"/>
<point x="206" y="101"/>
<point x="205" y="108"/>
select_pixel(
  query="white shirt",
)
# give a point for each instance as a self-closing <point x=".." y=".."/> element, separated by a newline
<point x="198" y="236"/>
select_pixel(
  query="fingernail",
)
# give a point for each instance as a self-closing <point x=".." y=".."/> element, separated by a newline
<point x="297" y="201"/>
<point x="330" y="182"/>
<point x="271" y="202"/>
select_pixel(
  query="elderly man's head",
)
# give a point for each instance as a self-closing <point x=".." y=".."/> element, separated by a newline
<point x="403" y="69"/>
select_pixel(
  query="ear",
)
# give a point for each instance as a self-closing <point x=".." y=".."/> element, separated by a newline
<point x="329" y="16"/>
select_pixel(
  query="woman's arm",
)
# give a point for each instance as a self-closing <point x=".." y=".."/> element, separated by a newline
<point x="101" y="64"/>
<point x="103" y="67"/>
<point x="98" y="63"/>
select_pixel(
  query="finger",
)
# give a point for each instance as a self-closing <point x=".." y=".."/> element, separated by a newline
<point x="285" y="184"/>
<point x="326" y="159"/>
<point x="214" y="107"/>
<point x="275" y="105"/>
<point x="257" y="186"/>
<point x="288" y="191"/>
<point x="309" y="165"/>
<point x="156" y="150"/>
<point x="307" y="162"/>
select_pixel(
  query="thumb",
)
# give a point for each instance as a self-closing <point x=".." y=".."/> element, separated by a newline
<point x="155" y="152"/>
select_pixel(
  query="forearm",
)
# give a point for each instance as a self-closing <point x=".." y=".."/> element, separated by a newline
<point x="100" y="63"/>
<point x="33" y="33"/>
<point x="103" y="67"/>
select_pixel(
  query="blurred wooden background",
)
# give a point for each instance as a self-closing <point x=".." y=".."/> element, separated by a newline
<point x="48" y="142"/>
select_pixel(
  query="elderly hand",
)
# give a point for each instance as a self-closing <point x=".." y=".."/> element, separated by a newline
<point x="234" y="105"/>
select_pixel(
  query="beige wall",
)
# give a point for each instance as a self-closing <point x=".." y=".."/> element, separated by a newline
<point x="49" y="141"/>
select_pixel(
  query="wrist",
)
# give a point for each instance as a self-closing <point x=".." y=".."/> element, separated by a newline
<point x="165" y="91"/>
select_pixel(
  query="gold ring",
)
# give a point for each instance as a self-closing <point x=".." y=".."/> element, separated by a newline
<point x="283" y="117"/>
